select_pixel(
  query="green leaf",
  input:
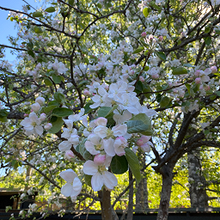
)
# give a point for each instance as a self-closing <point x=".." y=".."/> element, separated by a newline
<point x="140" y="124"/>
<point x="208" y="40"/>
<point x="37" y="14"/>
<point x="217" y="93"/>
<point x="48" y="82"/>
<point x="179" y="71"/>
<point x="62" y="112"/>
<point x="106" y="111"/>
<point x="87" y="107"/>
<point x="146" y="45"/>
<point x="49" y="108"/>
<point x="3" y="119"/>
<point x="3" y="113"/>
<point x="119" y="165"/>
<point x="56" y="78"/>
<point x="133" y="163"/>
<point x="57" y="123"/>
<point x="139" y="87"/>
<point x="138" y="50"/>
<point x="161" y="55"/>
<point x="145" y="12"/>
<point x="38" y="30"/>
<point x="136" y="126"/>
<point x="87" y="156"/>
<point x="60" y="98"/>
<point x="212" y="97"/>
<point x="50" y="9"/>
<point x="164" y="102"/>
<point x="31" y="53"/>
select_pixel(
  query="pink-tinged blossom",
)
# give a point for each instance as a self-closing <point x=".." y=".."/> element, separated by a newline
<point x="145" y="143"/>
<point x="35" y="107"/>
<point x="214" y="69"/>
<point x="101" y="121"/>
<point x="94" y="144"/>
<point x="48" y="126"/>
<point x="69" y="154"/>
<point x="100" y="176"/>
<point x="40" y="100"/>
<point x="143" y="34"/>
<point x="32" y="125"/>
<point x="119" y="145"/>
<point x="198" y="80"/>
<point x="43" y="116"/>
<point x="100" y="159"/>
<point x="73" y="186"/>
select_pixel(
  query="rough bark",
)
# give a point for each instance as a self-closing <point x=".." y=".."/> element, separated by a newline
<point x="106" y="204"/>
<point x="167" y="177"/>
<point x="142" y="193"/>
<point x="198" y="196"/>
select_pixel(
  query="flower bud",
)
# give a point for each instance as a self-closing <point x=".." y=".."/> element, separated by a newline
<point x="35" y="107"/>
<point x="214" y="69"/>
<point x="198" y="80"/>
<point x="40" y="100"/>
<point x="143" y="34"/>
<point x="43" y="116"/>
<point x="145" y="147"/>
<point x="197" y="73"/>
<point x="99" y="159"/>
<point x="141" y="78"/>
<point x="69" y="154"/>
<point x="101" y="121"/>
<point x="48" y="126"/>
<point x="155" y="75"/>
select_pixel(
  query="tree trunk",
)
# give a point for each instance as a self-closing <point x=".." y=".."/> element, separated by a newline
<point x="142" y="193"/>
<point x="167" y="177"/>
<point x="105" y="197"/>
<point x="130" y="202"/>
<point x="198" y="196"/>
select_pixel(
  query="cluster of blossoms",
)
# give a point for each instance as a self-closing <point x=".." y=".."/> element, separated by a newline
<point x="32" y="123"/>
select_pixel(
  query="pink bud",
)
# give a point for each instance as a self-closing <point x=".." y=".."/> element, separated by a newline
<point x="207" y="88"/>
<point x="101" y="121"/>
<point x="198" y="80"/>
<point x="197" y="73"/>
<point x="86" y="92"/>
<point x="143" y="34"/>
<point x="43" y="116"/>
<point x="214" y="69"/>
<point x="69" y="154"/>
<point x="145" y="147"/>
<point x="99" y="159"/>
<point x="48" y="126"/>
<point x="141" y="78"/>
<point x="155" y="75"/>
<point x="139" y="142"/>
<point x="25" y="115"/>
<point x="160" y="38"/>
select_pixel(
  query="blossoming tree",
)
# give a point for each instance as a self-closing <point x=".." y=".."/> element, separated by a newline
<point x="99" y="81"/>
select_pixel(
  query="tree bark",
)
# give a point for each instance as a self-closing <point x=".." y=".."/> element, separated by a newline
<point x="142" y="193"/>
<point x="198" y="196"/>
<point x="106" y="204"/>
<point x="130" y="202"/>
<point x="167" y="177"/>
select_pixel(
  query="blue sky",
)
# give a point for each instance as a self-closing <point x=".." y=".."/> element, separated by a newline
<point x="6" y="26"/>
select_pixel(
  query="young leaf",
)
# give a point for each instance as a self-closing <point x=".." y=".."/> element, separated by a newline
<point x="50" y="9"/>
<point x="133" y="163"/>
<point x="161" y="55"/>
<point x="145" y="12"/>
<point x="37" y="14"/>
<point x="138" y="50"/>
<point x="164" y="102"/>
<point x="179" y="71"/>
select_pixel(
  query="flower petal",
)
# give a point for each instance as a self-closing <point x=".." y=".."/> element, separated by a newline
<point x="109" y="147"/>
<point x="77" y="187"/>
<point x="68" y="175"/>
<point x="67" y="189"/>
<point x="97" y="182"/>
<point x="110" y="181"/>
<point x="64" y="146"/>
<point x="90" y="168"/>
